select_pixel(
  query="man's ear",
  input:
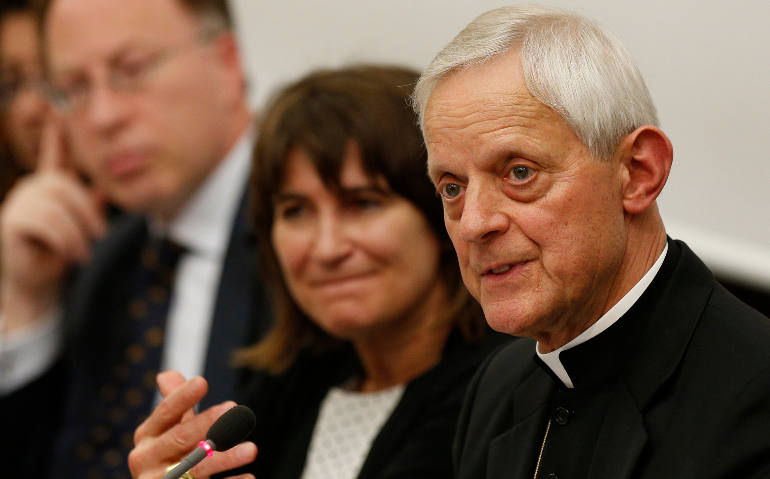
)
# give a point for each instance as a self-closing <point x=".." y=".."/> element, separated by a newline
<point x="227" y="50"/>
<point x="646" y="155"/>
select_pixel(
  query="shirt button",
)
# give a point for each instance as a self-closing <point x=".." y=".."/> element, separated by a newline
<point x="561" y="415"/>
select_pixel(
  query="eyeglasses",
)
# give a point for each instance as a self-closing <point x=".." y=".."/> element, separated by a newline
<point x="133" y="76"/>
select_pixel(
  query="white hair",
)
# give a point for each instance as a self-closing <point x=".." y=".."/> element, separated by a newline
<point x="570" y="64"/>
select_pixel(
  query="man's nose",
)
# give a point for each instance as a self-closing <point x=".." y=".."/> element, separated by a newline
<point x="483" y="215"/>
<point x="106" y="108"/>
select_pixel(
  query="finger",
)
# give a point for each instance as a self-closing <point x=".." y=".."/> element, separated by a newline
<point x="65" y="190"/>
<point x="153" y="453"/>
<point x="183" y="437"/>
<point x="52" y="149"/>
<point x="168" y="381"/>
<point x="87" y="206"/>
<point x="52" y="227"/>
<point x="240" y="455"/>
<point x="170" y="411"/>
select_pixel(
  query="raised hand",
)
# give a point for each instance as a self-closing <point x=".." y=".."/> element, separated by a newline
<point x="173" y="430"/>
<point x="47" y="223"/>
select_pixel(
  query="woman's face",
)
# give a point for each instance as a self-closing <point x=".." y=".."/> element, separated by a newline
<point x="25" y="113"/>
<point x="360" y="261"/>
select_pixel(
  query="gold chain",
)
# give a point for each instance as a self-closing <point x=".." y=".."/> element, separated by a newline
<point x="542" y="448"/>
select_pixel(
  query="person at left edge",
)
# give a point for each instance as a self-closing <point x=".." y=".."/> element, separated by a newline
<point x="23" y="106"/>
<point x="152" y="100"/>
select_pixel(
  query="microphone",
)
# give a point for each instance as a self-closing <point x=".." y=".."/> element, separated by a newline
<point x="231" y="428"/>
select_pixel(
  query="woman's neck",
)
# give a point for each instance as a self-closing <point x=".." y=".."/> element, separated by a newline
<point x="401" y="352"/>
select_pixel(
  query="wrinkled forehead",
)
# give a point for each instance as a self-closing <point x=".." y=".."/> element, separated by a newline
<point x="480" y="100"/>
<point x="78" y="32"/>
<point x="494" y="84"/>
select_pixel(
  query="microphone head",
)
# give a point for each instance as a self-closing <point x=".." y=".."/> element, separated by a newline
<point x="231" y="428"/>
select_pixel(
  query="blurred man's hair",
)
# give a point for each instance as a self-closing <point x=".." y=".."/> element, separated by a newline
<point x="214" y="14"/>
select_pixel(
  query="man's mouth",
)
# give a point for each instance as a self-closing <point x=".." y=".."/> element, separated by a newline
<point x="504" y="269"/>
<point x="500" y="269"/>
<point x="125" y="163"/>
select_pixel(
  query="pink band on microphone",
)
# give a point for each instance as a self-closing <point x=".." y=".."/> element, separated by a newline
<point x="205" y="445"/>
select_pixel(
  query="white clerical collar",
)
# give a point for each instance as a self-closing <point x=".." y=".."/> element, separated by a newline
<point x="204" y="223"/>
<point x="608" y="319"/>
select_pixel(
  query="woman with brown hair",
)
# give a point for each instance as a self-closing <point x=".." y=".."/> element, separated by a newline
<point x="375" y="337"/>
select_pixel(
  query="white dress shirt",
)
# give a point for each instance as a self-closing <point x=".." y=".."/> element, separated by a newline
<point x="605" y="321"/>
<point x="203" y="227"/>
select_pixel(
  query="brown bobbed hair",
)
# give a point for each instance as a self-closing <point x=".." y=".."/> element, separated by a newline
<point x="321" y="114"/>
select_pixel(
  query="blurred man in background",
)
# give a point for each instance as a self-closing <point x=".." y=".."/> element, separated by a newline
<point x="152" y="101"/>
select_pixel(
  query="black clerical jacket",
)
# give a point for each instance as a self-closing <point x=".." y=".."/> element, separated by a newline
<point x="678" y="388"/>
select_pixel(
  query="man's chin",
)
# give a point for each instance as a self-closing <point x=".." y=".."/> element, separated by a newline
<point x="140" y="203"/>
<point x="512" y="319"/>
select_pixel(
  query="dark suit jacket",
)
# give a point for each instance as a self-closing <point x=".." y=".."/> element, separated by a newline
<point x="415" y="442"/>
<point x="95" y="301"/>
<point x="689" y="398"/>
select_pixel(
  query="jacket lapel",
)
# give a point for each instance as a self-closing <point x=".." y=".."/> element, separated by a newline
<point x="513" y="454"/>
<point x="621" y="439"/>
<point x="671" y="308"/>
<point x="241" y="312"/>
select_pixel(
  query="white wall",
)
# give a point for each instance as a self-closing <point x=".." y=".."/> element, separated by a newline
<point x="705" y="61"/>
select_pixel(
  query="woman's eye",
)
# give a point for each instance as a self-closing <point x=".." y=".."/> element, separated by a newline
<point x="364" y="203"/>
<point x="450" y="190"/>
<point x="289" y="212"/>
<point x="520" y="172"/>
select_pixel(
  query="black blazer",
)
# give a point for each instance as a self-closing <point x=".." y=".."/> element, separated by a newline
<point x="415" y="441"/>
<point x="692" y="399"/>
<point x="95" y="300"/>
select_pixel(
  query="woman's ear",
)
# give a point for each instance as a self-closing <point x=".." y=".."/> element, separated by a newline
<point x="646" y="154"/>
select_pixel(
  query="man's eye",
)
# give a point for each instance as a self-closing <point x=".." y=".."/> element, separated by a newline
<point x="520" y="172"/>
<point x="133" y="69"/>
<point x="450" y="190"/>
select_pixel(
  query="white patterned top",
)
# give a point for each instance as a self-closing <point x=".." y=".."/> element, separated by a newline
<point x="347" y="424"/>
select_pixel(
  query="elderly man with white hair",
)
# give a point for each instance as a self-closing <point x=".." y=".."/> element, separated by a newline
<point x="543" y="144"/>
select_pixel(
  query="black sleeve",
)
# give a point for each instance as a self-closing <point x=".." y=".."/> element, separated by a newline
<point x="30" y="417"/>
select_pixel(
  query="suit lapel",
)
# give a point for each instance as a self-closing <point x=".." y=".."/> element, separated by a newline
<point x="671" y="308"/>
<point x="513" y="454"/>
<point x="621" y="438"/>
<point x="240" y="310"/>
<point x="674" y="309"/>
